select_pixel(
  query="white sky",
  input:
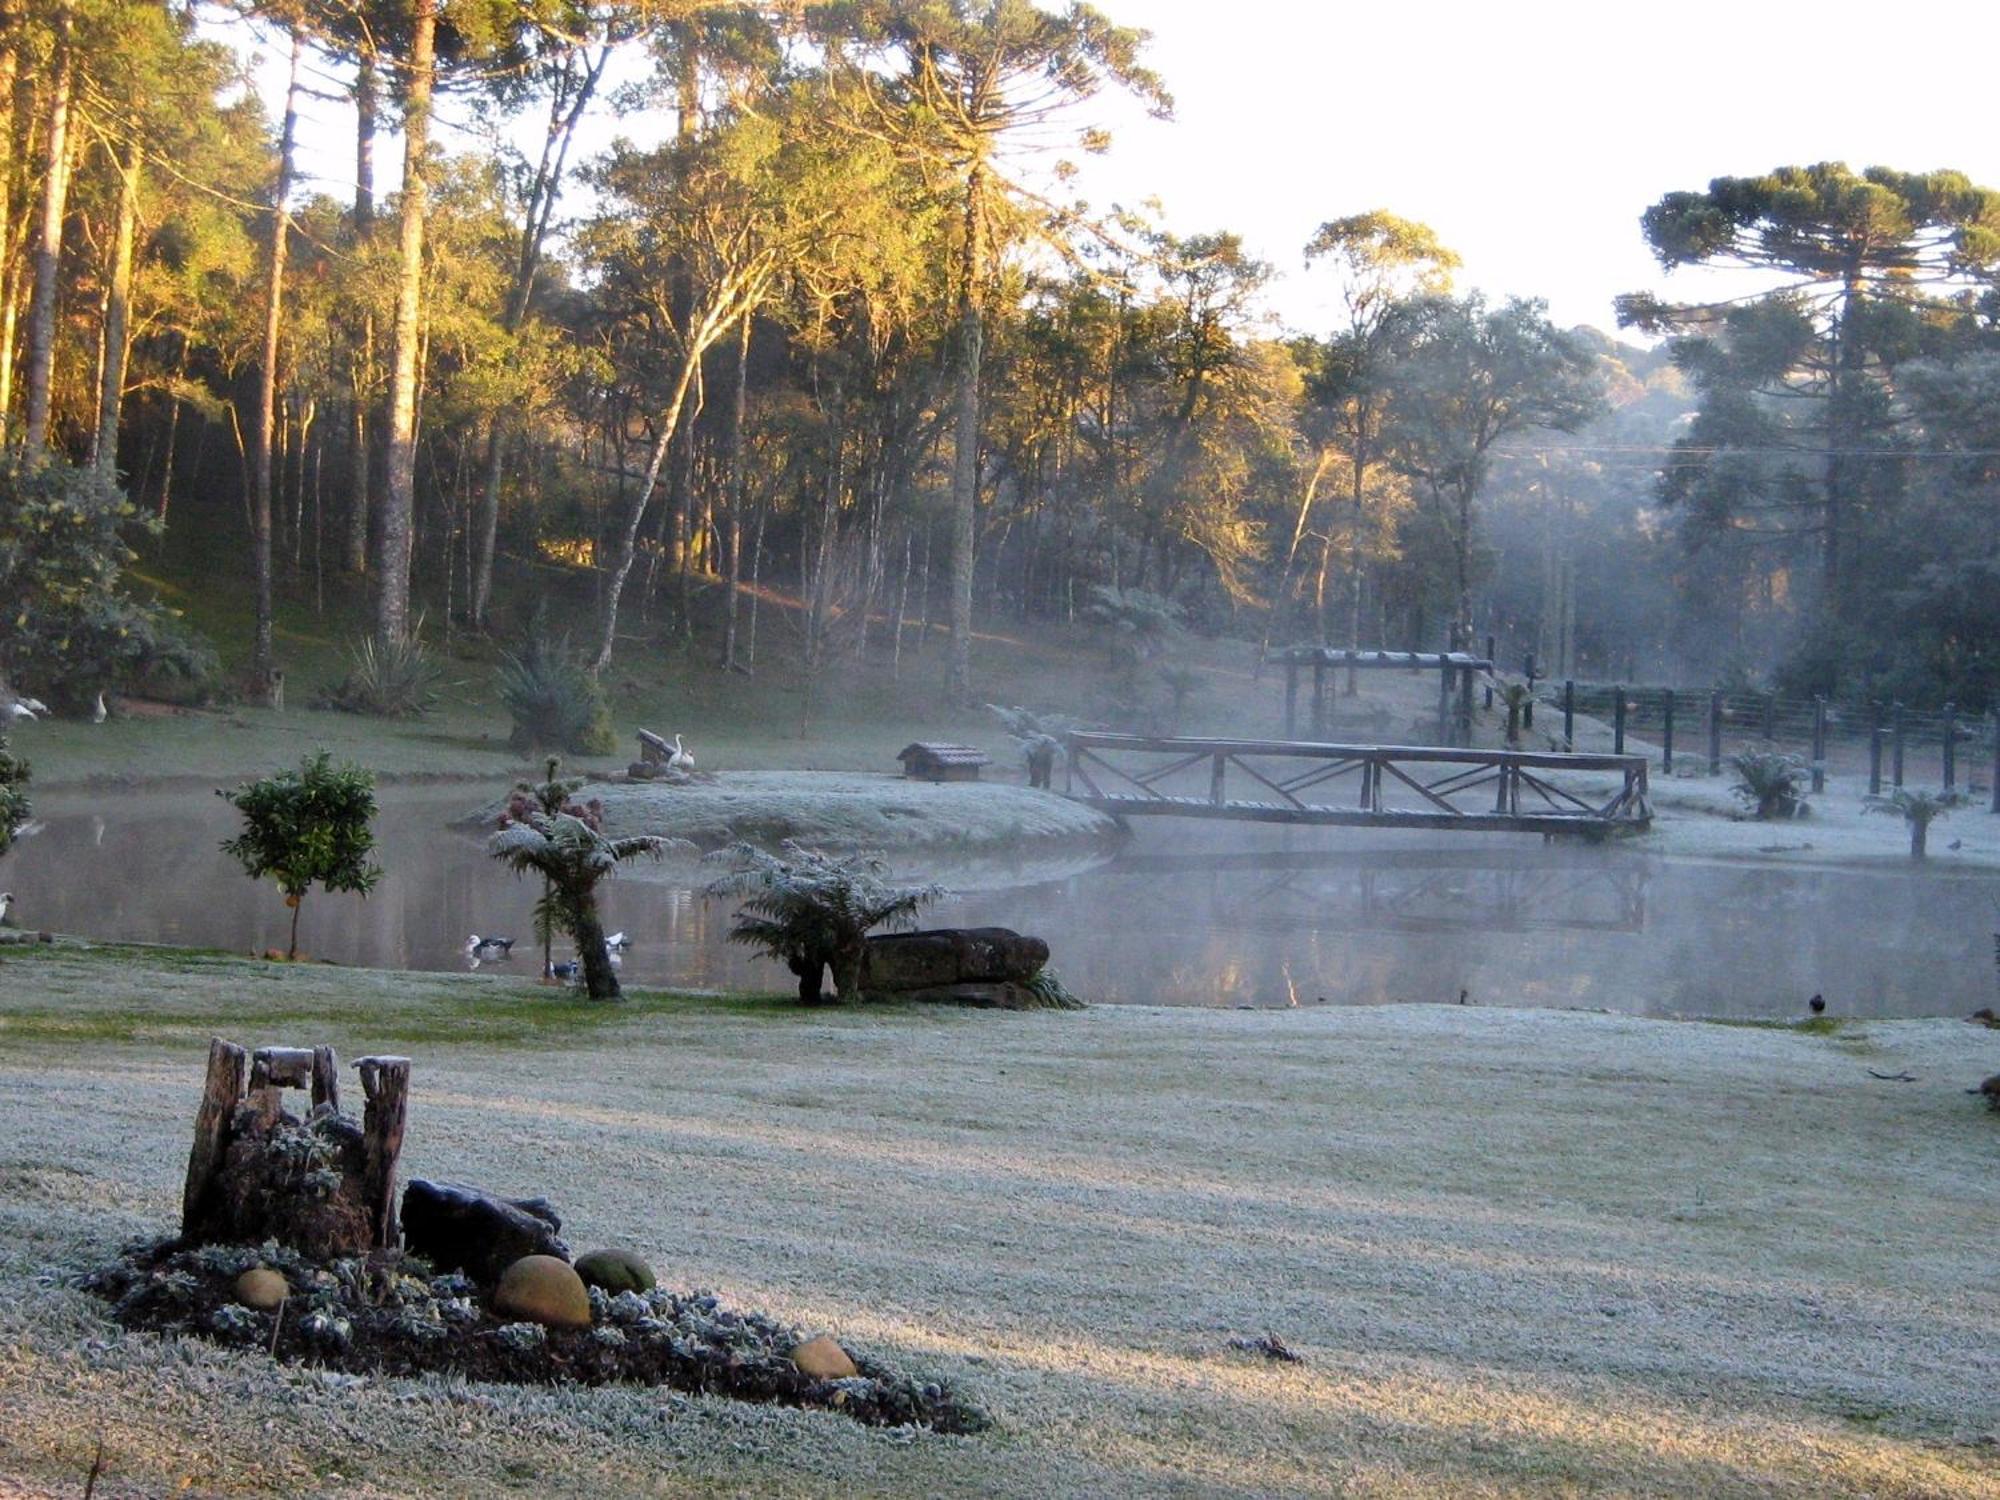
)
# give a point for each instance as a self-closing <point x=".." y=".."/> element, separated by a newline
<point x="1529" y="135"/>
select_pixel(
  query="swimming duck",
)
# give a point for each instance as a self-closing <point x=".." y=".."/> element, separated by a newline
<point x="489" y="947"/>
<point x="566" y="972"/>
<point x="618" y="942"/>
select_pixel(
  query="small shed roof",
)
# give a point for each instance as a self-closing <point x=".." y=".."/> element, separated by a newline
<point x="1335" y="656"/>
<point x="944" y="755"/>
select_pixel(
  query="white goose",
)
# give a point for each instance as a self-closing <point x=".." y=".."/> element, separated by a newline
<point x="6" y="902"/>
<point x="682" y="759"/>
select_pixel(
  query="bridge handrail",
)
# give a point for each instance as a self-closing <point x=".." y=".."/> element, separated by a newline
<point x="1548" y="760"/>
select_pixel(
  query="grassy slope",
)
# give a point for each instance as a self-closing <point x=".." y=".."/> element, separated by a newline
<point x="1523" y="1253"/>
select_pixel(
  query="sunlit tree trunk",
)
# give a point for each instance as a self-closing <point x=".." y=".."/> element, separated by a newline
<point x="117" y="317"/>
<point x="48" y="239"/>
<point x="392" y="616"/>
<point x="360" y="471"/>
<point x="965" y="455"/>
<point x="10" y="30"/>
<point x="262" y="651"/>
<point x="737" y="413"/>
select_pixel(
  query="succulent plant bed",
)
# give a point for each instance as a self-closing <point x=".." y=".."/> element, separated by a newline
<point x="388" y="1315"/>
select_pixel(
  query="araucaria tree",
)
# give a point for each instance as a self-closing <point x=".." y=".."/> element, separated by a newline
<point x="813" y="911"/>
<point x="545" y="832"/>
<point x="312" y="826"/>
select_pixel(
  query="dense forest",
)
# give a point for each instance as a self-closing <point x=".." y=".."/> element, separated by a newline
<point x="840" y="336"/>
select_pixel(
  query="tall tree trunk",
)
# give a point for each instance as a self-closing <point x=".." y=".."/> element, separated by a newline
<point x="262" y="650"/>
<point x="737" y="412"/>
<point x="600" y="979"/>
<point x="392" y="615"/>
<point x="48" y="240"/>
<point x="117" y="317"/>
<point x="360" y="472"/>
<point x="965" y="455"/>
<point x="10" y="33"/>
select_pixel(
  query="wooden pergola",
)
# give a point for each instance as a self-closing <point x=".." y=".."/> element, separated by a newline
<point x="1456" y="671"/>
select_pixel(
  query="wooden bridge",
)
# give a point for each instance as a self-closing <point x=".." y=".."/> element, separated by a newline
<point x="1392" y="786"/>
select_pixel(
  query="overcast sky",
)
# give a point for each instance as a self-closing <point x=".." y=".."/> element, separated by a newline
<point x="1530" y="135"/>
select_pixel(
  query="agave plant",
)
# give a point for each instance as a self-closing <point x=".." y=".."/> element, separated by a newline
<point x="813" y="911"/>
<point x="389" y="679"/>
<point x="545" y="832"/>
<point x="1771" y="785"/>
<point x="1919" y="810"/>
<point x="555" y="703"/>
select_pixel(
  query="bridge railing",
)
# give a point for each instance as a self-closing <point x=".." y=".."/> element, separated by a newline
<point x="1392" y="785"/>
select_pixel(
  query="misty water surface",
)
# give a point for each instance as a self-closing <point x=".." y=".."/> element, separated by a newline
<point x="1187" y="914"/>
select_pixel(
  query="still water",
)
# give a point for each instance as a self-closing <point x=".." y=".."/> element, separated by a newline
<point x="1186" y="914"/>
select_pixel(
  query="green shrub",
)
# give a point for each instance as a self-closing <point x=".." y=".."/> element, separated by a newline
<point x="68" y="629"/>
<point x="555" y="703"/>
<point x="312" y="826"/>
<point x="389" y="680"/>
<point x="14" y="806"/>
<point x="1919" y="810"/>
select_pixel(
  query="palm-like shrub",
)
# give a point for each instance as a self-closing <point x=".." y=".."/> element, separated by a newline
<point x="1141" y="622"/>
<point x="555" y="703"/>
<point x="387" y="679"/>
<point x="1919" y="810"/>
<point x="312" y="826"/>
<point x="813" y="911"/>
<point x="1770" y="784"/>
<point x="544" y="832"/>
<point x="1040" y="736"/>
<point x="14" y="808"/>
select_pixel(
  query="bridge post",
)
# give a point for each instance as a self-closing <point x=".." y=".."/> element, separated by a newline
<point x="1528" y="708"/>
<point x="1489" y="675"/>
<point x="1291" y="697"/>
<point x="1444" y="699"/>
<point x="1319" y="698"/>
<point x="1215" y="779"/>
<point x="1465" y="705"/>
<point x="1667" y="733"/>
<point x="1618" y="719"/>
<point x="1819" y="744"/>
<point x="1569" y="713"/>
<point x="1896" y="745"/>
<point x="1950" y="747"/>
<point x="1715" y="733"/>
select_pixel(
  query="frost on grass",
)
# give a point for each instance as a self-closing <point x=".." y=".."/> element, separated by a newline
<point x="845" y="810"/>
<point x="372" y="1318"/>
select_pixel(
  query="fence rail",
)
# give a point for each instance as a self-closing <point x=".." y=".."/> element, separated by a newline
<point x="1888" y="743"/>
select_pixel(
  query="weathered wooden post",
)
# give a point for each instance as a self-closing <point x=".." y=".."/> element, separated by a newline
<point x="1996" y="759"/>
<point x="1667" y="732"/>
<point x="1528" y="708"/>
<point x="1950" y="746"/>
<point x="1291" y="701"/>
<point x="1489" y="675"/>
<point x="1444" y="699"/>
<point x="385" y="1081"/>
<point x="1819" y="743"/>
<point x="219" y="1097"/>
<point x="1618" y="719"/>
<point x="1465" y="706"/>
<point x="1569" y="713"/>
<point x="1875" y="750"/>
<point x="1319" y="697"/>
<point x="1896" y="745"/>
<point x="1215" y="779"/>
<point x="1715" y="733"/>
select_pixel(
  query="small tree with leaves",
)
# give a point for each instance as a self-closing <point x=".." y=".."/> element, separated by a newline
<point x="1770" y="784"/>
<point x="1041" y="737"/>
<point x="312" y="826"/>
<point x="1919" y="810"/>
<point x="546" y="832"/>
<point x="814" y="911"/>
<point x="14" y="808"/>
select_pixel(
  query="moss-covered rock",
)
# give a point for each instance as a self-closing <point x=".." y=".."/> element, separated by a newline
<point x="616" y="1271"/>
<point x="542" y="1289"/>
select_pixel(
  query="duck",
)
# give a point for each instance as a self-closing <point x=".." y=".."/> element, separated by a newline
<point x="18" y="709"/>
<point x="489" y="947"/>
<point x="1817" y="1005"/>
<point x="681" y="758"/>
<point x="101" y="712"/>
<point x="6" y="904"/>
<point x="565" y="972"/>
<point x="618" y="942"/>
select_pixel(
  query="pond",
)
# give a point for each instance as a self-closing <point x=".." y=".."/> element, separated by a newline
<point x="1186" y="914"/>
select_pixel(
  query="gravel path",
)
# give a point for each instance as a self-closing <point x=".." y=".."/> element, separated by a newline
<point x="1521" y="1252"/>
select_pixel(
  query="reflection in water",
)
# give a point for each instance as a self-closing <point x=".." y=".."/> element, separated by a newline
<point x="1202" y="915"/>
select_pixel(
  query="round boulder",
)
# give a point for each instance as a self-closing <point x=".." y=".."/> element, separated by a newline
<point x="542" y="1289"/>
<point x="262" y="1288"/>
<point x="615" y="1271"/>
<point x="823" y="1359"/>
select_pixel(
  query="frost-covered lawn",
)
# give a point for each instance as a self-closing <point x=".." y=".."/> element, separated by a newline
<point x="1522" y="1252"/>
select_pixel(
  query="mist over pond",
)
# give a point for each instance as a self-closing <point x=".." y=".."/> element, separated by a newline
<point x="1182" y="915"/>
